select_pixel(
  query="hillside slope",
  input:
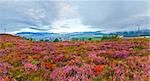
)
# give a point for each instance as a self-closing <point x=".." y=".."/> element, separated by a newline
<point x="110" y="60"/>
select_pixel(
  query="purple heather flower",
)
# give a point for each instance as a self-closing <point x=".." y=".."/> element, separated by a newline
<point x="120" y="54"/>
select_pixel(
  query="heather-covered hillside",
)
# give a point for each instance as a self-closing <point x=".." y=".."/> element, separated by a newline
<point x="107" y="60"/>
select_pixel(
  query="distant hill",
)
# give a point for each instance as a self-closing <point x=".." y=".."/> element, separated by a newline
<point x="69" y="36"/>
<point x="38" y="35"/>
<point x="132" y="33"/>
<point x="62" y="36"/>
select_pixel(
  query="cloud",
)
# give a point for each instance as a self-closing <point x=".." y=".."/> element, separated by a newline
<point x="67" y="10"/>
<point x="24" y="30"/>
<point x="36" y="14"/>
<point x="73" y="16"/>
<point x="71" y="25"/>
<point x="108" y="14"/>
<point x="16" y="15"/>
<point x="69" y="19"/>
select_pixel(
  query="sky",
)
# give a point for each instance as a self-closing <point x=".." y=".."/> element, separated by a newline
<point x="65" y="16"/>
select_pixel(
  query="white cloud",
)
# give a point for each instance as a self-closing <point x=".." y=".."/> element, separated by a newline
<point x="69" y="19"/>
<point x="37" y="14"/>
<point x="71" y="25"/>
<point x="24" y="30"/>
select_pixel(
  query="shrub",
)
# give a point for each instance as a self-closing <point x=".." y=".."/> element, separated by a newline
<point x="56" y="40"/>
<point x="105" y="37"/>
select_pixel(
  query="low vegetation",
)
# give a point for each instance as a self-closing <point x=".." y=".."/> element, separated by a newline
<point x="106" y="60"/>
